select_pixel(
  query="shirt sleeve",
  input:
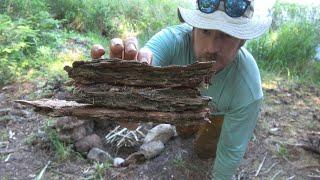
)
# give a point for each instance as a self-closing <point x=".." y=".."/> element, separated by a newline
<point x="235" y="134"/>
<point x="163" y="46"/>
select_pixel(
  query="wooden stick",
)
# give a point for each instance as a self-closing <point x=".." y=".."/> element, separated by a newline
<point x="257" y="173"/>
<point x="279" y="172"/>
<point x="8" y="151"/>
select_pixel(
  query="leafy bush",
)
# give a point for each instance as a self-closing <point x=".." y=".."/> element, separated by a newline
<point x="20" y="41"/>
<point x="290" y="46"/>
<point x="22" y="9"/>
<point x="117" y="18"/>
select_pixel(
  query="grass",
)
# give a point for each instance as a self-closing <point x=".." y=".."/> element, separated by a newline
<point x="36" y="43"/>
<point x="62" y="152"/>
<point x="179" y="162"/>
<point x="99" y="171"/>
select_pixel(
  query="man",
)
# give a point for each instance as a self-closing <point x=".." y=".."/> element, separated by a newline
<point x="216" y="31"/>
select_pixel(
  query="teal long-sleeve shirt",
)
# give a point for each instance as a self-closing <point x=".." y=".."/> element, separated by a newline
<point x="236" y="93"/>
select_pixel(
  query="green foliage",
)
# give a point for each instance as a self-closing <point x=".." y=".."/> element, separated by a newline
<point x="288" y="12"/>
<point x="22" y="9"/>
<point x="99" y="170"/>
<point x="179" y="162"/>
<point x="22" y="42"/>
<point x="61" y="150"/>
<point x="32" y="42"/>
<point x="283" y="151"/>
<point x="117" y="18"/>
<point x="289" y="47"/>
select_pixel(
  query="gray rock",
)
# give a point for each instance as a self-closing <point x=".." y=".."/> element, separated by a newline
<point x="68" y="122"/>
<point x="162" y="132"/>
<point x="85" y="144"/>
<point x="134" y="158"/>
<point x="72" y="135"/>
<point x="117" y="162"/>
<point x="4" y="112"/>
<point x="152" y="149"/>
<point x="99" y="155"/>
<point x="2" y="97"/>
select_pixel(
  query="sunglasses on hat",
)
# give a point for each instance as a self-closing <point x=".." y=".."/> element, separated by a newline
<point x="233" y="8"/>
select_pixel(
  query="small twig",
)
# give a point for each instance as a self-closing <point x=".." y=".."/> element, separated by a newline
<point x="291" y="177"/>
<point x="267" y="171"/>
<point x="313" y="176"/>
<point x="43" y="171"/>
<point x="7" y="159"/>
<point x="110" y="133"/>
<point x="119" y="132"/>
<point x="279" y="172"/>
<point x="8" y="151"/>
<point x="134" y="135"/>
<point x="264" y="158"/>
<point x="141" y="133"/>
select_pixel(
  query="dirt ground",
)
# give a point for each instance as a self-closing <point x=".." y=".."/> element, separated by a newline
<point x="289" y="112"/>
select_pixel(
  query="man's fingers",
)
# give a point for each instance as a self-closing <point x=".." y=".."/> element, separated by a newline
<point x="130" y="48"/>
<point x="145" y="56"/>
<point x="116" y="48"/>
<point x="97" y="51"/>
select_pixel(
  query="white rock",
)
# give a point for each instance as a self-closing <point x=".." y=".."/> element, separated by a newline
<point x="162" y="132"/>
<point x="117" y="162"/>
<point x="152" y="149"/>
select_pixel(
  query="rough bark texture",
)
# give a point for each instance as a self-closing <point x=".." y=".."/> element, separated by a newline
<point x="133" y="73"/>
<point x="58" y="108"/>
<point x="129" y="91"/>
<point x="134" y="98"/>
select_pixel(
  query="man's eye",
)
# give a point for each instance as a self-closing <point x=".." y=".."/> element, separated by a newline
<point x="226" y="35"/>
<point x="206" y="32"/>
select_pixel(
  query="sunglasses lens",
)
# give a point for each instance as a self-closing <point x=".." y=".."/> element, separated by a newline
<point x="208" y="6"/>
<point x="236" y="8"/>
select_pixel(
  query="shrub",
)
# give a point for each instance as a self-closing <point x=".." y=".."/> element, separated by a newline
<point x="20" y="41"/>
<point x="290" y="46"/>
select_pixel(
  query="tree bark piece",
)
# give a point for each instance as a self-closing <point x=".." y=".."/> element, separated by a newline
<point x="58" y="108"/>
<point x="134" y="98"/>
<point x="131" y="91"/>
<point x="134" y="73"/>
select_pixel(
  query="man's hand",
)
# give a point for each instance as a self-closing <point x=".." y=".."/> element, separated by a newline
<point x="128" y="50"/>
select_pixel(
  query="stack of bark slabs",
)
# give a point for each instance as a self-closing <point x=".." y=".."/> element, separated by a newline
<point x="129" y="91"/>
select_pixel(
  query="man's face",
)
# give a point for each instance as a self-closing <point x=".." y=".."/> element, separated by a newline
<point x="213" y="45"/>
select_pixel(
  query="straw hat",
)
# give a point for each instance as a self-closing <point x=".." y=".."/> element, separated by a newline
<point x="249" y="26"/>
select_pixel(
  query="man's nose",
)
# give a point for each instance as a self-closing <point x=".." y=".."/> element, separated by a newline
<point x="213" y="45"/>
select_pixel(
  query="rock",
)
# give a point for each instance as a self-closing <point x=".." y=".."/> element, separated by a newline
<point x="20" y="113"/>
<point x="68" y="122"/>
<point x="73" y="135"/>
<point x="85" y="144"/>
<point x="134" y="158"/>
<point x="117" y="162"/>
<point x="4" y="112"/>
<point x="152" y="149"/>
<point x="187" y="131"/>
<point x="99" y="155"/>
<point x="162" y="132"/>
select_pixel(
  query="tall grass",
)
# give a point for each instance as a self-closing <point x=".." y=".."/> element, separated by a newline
<point x="33" y="32"/>
<point x="289" y="48"/>
<point x="118" y="18"/>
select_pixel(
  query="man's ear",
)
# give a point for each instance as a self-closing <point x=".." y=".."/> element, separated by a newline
<point x="242" y="43"/>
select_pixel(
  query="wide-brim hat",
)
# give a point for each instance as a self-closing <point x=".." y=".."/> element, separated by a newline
<point x="252" y="25"/>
